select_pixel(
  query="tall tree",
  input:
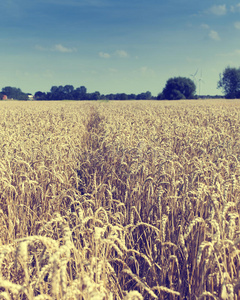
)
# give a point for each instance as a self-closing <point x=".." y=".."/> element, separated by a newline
<point x="178" y="88"/>
<point x="14" y="93"/>
<point x="144" y="96"/>
<point x="80" y="93"/>
<point x="229" y="82"/>
<point x="68" y="89"/>
<point x="53" y="89"/>
<point x="40" y="96"/>
<point x="94" y="96"/>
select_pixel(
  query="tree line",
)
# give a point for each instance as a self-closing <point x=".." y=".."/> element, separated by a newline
<point x="13" y="93"/>
<point x="176" y="88"/>
<point x="229" y="82"/>
<point x="80" y="93"/>
<point x="68" y="92"/>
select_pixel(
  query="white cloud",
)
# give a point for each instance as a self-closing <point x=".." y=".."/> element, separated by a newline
<point x="214" y="35"/>
<point x="218" y="10"/>
<point x="118" y="53"/>
<point x="229" y="54"/>
<point x="237" y="25"/>
<point x="235" y="8"/>
<point x="104" y="55"/>
<point x="112" y="70"/>
<point x="40" y="48"/>
<point x="121" y="53"/>
<point x="205" y="26"/>
<point x="56" y="48"/>
<point x="61" y="48"/>
<point x="236" y="52"/>
<point x="143" y="70"/>
<point x="146" y="71"/>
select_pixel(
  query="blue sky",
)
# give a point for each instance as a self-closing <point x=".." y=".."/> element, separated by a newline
<point x="113" y="46"/>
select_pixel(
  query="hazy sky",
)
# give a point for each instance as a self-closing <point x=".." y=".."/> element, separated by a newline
<point x="113" y="46"/>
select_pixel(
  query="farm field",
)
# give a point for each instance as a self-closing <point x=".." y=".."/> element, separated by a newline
<point x="120" y="200"/>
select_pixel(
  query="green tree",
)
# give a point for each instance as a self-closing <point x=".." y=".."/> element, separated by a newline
<point x="229" y="82"/>
<point x="14" y="93"/>
<point x="59" y="92"/>
<point x="123" y="96"/>
<point x="144" y="96"/>
<point x="178" y="88"/>
<point x="80" y="93"/>
<point x="53" y="89"/>
<point x="40" y="96"/>
<point x="132" y="96"/>
<point x="68" y="89"/>
<point x="95" y="96"/>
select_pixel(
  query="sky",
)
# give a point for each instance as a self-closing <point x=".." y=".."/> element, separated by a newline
<point x="117" y="46"/>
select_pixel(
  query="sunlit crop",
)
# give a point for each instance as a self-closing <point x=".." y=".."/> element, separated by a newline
<point x="120" y="200"/>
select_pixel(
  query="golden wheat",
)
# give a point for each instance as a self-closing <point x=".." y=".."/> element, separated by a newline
<point x="120" y="200"/>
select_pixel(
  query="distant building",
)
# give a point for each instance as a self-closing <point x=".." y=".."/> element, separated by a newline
<point x="4" y="97"/>
<point x="30" y="97"/>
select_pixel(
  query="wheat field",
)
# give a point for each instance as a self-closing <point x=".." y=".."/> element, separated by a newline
<point x="120" y="200"/>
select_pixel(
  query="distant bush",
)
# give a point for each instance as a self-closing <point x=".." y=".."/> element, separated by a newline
<point x="14" y="93"/>
<point x="229" y="82"/>
<point x="178" y="88"/>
